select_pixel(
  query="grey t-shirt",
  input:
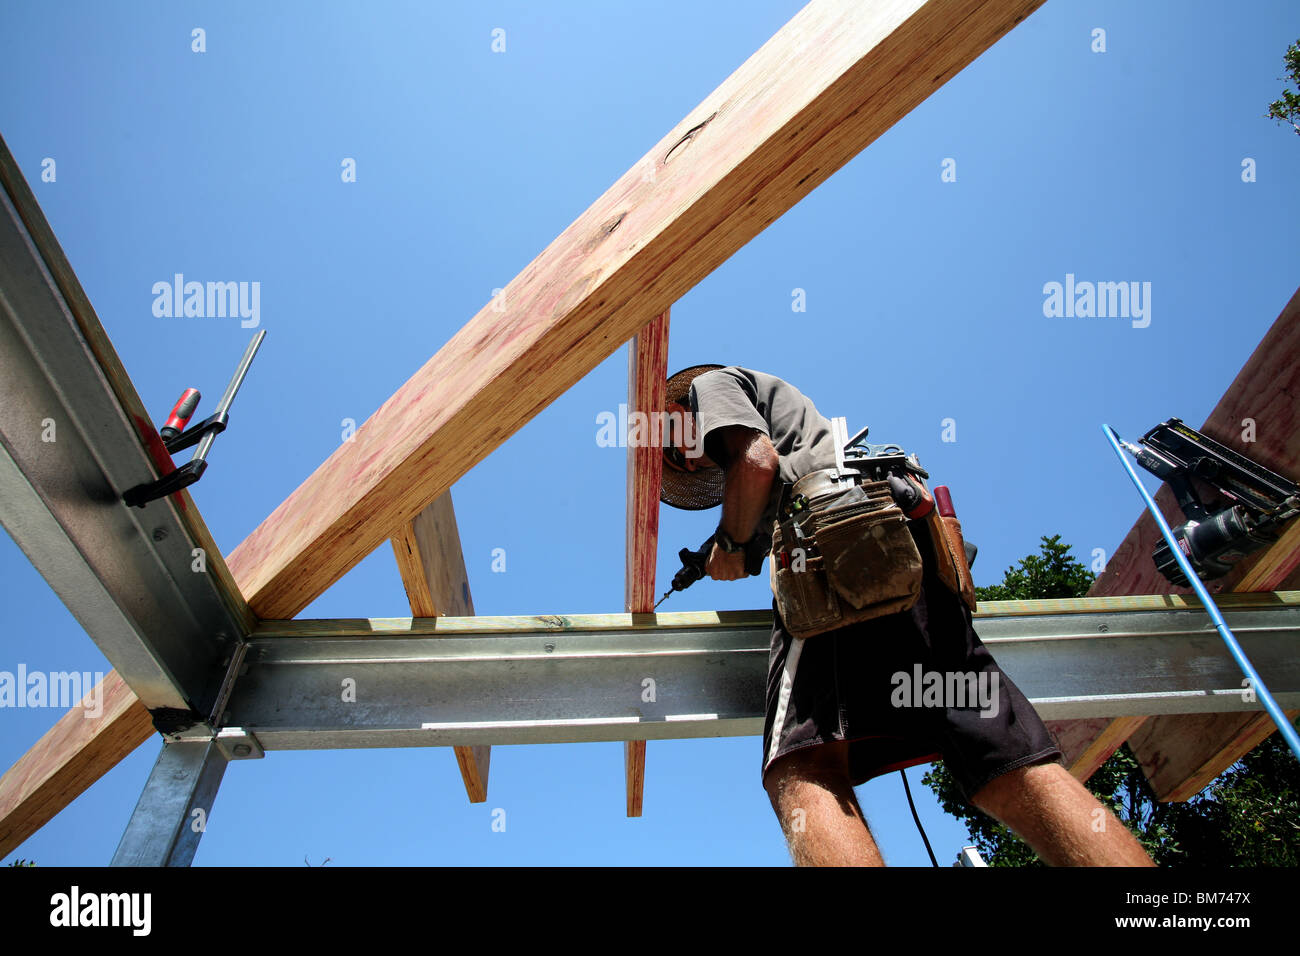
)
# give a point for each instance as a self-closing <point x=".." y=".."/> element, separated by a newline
<point x="800" y="434"/>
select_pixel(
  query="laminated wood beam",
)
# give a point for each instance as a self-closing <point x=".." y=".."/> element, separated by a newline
<point x="1182" y="754"/>
<point x="1088" y="743"/>
<point x="647" y="373"/>
<point x="432" y="565"/>
<point x="831" y="81"/>
<point x="1181" y="761"/>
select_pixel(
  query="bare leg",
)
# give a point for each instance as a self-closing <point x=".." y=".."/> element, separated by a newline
<point x="813" y="799"/>
<point x="1057" y="816"/>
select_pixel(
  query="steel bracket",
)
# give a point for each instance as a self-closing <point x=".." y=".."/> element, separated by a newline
<point x="238" y="744"/>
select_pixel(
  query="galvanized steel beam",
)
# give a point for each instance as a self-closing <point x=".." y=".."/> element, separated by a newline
<point x="68" y="451"/>
<point x="436" y="682"/>
<point x="172" y="814"/>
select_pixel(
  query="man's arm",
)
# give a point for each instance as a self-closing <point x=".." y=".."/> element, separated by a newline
<point x="752" y="467"/>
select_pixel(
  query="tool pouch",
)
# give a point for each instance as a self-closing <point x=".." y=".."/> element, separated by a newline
<point x="958" y="546"/>
<point x="950" y="556"/>
<point x="807" y="604"/>
<point x="850" y="558"/>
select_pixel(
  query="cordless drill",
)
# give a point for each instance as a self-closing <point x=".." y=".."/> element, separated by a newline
<point x="693" y="563"/>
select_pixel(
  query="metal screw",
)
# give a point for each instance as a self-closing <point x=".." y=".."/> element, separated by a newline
<point x="159" y="533"/>
<point x="242" y="750"/>
<point x="1103" y="628"/>
<point x="549" y="647"/>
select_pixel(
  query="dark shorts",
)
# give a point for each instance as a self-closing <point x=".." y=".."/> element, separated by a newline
<point x="903" y="689"/>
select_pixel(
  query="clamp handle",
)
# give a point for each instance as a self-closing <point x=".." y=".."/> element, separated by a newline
<point x="181" y="414"/>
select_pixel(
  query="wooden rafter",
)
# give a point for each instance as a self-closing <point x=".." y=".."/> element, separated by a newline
<point x="1088" y="742"/>
<point x="647" y="371"/>
<point x="1182" y="759"/>
<point x="432" y="565"/>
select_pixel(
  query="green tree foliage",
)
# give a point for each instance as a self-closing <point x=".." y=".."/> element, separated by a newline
<point x="1249" y="816"/>
<point x="1052" y="574"/>
<point x="1287" y="109"/>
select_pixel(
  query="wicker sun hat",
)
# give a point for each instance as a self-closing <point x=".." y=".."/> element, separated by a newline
<point x="688" y="490"/>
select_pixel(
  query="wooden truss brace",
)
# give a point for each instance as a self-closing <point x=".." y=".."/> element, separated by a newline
<point x="432" y="566"/>
<point x="647" y="372"/>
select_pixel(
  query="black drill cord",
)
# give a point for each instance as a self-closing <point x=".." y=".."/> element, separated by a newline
<point x="908" y="791"/>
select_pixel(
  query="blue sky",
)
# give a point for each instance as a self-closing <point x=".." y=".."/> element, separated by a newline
<point x="924" y="303"/>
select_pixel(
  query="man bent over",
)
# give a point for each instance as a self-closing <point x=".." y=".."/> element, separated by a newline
<point x="837" y="713"/>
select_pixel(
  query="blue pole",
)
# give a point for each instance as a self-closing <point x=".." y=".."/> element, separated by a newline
<point x="1256" y="682"/>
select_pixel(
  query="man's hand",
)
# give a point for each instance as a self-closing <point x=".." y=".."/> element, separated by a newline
<point x="722" y="566"/>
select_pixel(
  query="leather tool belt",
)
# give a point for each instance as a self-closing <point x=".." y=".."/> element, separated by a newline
<point x="843" y="552"/>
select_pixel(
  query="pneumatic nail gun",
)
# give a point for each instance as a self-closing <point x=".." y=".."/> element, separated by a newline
<point x="1257" y="501"/>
